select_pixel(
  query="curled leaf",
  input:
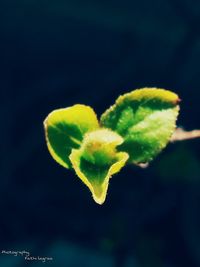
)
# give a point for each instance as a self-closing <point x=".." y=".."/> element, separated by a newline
<point x="65" y="129"/>
<point x="97" y="159"/>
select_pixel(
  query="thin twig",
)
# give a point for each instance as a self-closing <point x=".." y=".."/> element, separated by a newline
<point x="180" y="135"/>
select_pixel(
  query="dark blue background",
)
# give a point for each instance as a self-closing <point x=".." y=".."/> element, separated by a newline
<point x="57" y="53"/>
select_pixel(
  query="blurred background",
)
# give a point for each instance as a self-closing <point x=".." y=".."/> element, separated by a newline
<point x="58" y="53"/>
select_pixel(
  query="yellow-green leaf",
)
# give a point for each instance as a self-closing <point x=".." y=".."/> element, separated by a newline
<point x="146" y="119"/>
<point x="97" y="160"/>
<point x="65" y="129"/>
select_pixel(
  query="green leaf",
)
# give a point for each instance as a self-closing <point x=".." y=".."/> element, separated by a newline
<point x="65" y="129"/>
<point x="146" y="119"/>
<point x="97" y="159"/>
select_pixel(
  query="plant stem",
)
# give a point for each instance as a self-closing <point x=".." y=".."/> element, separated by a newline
<point x="181" y="135"/>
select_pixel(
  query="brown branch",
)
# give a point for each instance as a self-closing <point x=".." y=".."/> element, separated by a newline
<point x="180" y="135"/>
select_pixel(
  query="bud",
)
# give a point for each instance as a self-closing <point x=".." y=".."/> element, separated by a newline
<point x="99" y="147"/>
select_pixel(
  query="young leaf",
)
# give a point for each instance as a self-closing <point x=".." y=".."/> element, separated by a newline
<point x="65" y="129"/>
<point x="146" y="119"/>
<point x="97" y="159"/>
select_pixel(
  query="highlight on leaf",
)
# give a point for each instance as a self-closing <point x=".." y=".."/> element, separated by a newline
<point x="146" y="119"/>
<point x="65" y="128"/>
<point x="97" y="159"/>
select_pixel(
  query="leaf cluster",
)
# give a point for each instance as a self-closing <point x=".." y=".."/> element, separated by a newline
<point x="133" y="130"/>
